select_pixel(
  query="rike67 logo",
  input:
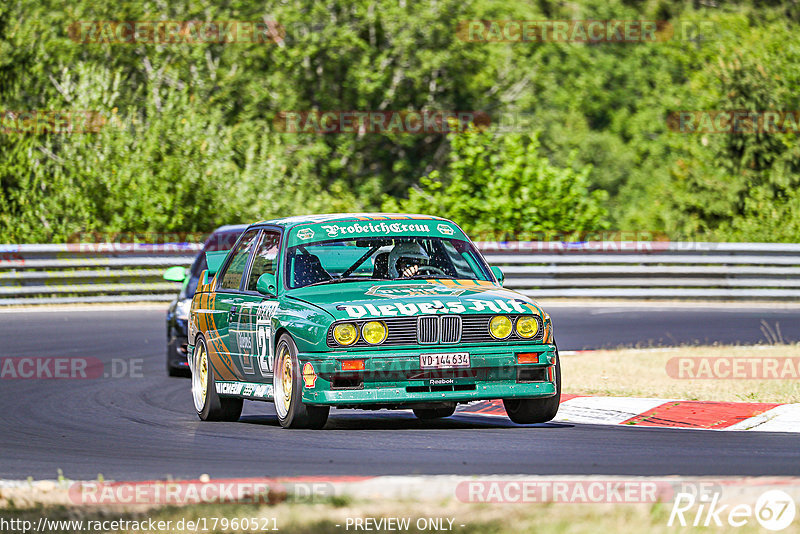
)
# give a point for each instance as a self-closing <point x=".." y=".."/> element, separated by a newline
<point x="774" y="510"/>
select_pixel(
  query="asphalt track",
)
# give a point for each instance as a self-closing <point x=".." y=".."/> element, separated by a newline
<point x="143" y="426"/>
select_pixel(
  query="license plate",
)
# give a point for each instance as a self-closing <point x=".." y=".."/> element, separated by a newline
<point x="448" y="360"/>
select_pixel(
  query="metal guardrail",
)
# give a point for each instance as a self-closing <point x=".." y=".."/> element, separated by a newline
<point x="83" y="273"/>
<point x="649" y="270"/>
<point x="88" y="273"/>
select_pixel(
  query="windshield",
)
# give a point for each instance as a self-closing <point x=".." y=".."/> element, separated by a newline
<point x="380" y="258"/>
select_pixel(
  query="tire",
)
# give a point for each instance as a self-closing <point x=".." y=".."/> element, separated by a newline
<point x="530" y="411"/>
<point x="208" y="405"/>
<point x="288" y="387"/>
<point x="426" y="414"/>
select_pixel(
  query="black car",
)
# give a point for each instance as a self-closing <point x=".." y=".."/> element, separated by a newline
<point x="223" y="238"/>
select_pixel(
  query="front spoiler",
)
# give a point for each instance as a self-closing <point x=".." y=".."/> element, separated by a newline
<point x="397" y="396"/>
<point x="389" y="372"/>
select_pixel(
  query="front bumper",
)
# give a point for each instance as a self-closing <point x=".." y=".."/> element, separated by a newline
<point x="393" y="377"/>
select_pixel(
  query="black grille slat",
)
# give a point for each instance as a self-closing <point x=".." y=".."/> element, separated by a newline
<point x="427" y="330"/>
<point x="403" y="330"/>
<point x="450" y="328"/>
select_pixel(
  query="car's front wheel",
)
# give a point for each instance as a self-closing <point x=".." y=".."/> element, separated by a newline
<point x="529" y="411"/>
<point x="288" y="388"/>
<point x="209" y="405"/>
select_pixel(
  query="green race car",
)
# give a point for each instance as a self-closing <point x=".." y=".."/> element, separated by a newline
<point x="373" y="311"/>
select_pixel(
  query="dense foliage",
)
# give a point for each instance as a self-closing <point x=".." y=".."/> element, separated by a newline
<point x="503" y="188"/>
<point x="191" y="140"/>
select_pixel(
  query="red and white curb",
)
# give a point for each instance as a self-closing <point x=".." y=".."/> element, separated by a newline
<point x="665" y="413"/>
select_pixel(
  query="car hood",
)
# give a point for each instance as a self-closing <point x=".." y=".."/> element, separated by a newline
<point x="357" y="300"/>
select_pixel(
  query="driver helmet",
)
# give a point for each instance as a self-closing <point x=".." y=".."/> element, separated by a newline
<point x="403" y="255"/>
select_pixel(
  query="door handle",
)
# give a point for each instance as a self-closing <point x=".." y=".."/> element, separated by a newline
<point x="235" y="307"/>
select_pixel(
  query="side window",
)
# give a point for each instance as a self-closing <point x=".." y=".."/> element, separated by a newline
<point x="265" y="259"/>
<point x="461" y="260"/>
<point x="233" y="274"/>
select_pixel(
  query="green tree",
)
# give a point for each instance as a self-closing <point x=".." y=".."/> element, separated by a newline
<point x="494" y="185"/>
<point x="742" y="185"/>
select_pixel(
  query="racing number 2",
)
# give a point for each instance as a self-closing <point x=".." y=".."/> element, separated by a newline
<point x="264" y="345"/>
<point x="264" y="336"/>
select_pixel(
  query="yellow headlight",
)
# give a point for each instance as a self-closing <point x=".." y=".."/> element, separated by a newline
<point x="345" y="333"/>
<point x="374" y="332"/>
<point x="500" y="326"/>
<point x="527" y="326"/>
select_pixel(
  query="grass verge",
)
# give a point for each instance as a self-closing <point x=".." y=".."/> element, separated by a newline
<point x="324" y="518"/>
<point x="646" y="373"/>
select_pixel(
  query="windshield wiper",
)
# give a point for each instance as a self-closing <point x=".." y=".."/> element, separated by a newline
<point x="428" y="277"/>
<point x="340" y="280"/>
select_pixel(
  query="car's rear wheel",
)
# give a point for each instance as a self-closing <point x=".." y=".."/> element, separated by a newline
<point x="288" y="387"/>
<point x="427" y="414"/>
<point x="529" y="411"/>
<point x="208" y="405"/>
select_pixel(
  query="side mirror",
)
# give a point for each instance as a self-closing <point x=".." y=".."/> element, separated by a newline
<point x="266" y="285"/>
<point x="175" y="274"/>
<point x="498" y="273"/>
